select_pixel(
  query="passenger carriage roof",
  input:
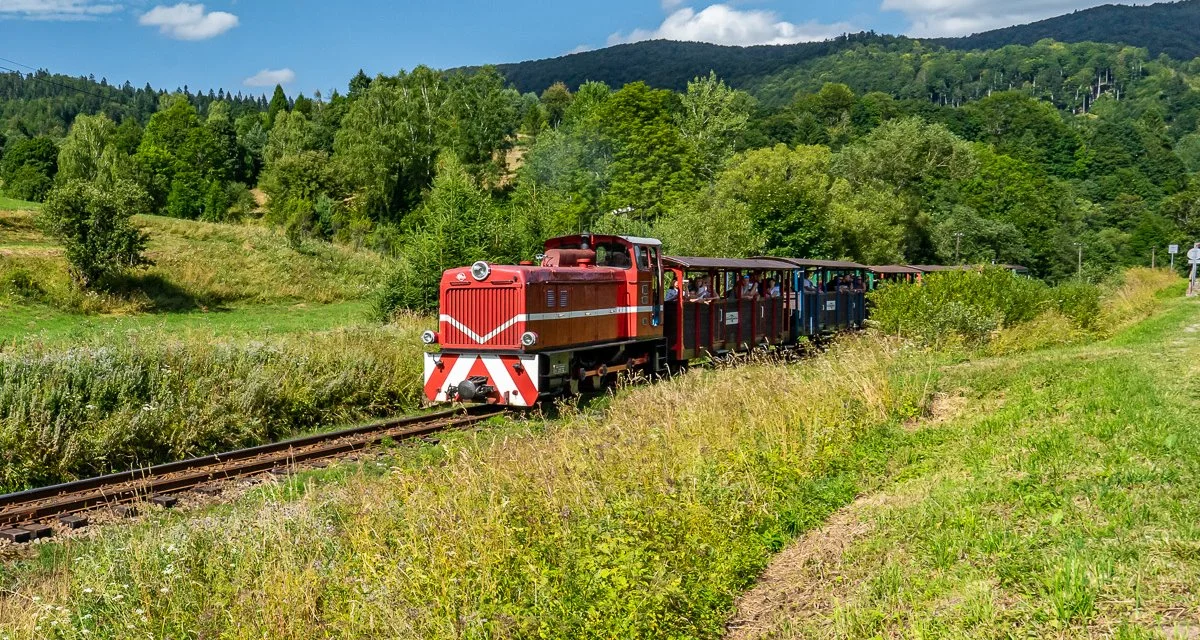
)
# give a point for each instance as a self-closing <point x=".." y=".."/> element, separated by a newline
<point x="726" y="264"/>
<point x="823" y="264"/>
<point x="930" y="268"/>
<point x="893" y="268"/>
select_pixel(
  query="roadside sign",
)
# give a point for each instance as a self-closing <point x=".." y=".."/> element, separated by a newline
<point x="1173" y="249"/>
<point x="1194" y="255"/>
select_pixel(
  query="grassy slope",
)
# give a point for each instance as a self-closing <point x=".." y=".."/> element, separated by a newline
<point x="645" y="522"/>
<point x="12" y="204"/>
<point x="247" y="340"/>
<point x="1067" y="507"/>
<point x="198" y="267"/>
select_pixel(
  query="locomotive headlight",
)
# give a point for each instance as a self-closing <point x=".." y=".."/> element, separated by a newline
<point x="529" y="338"/>
<point x="480" y="270"/>
<point x="429" y="337"/>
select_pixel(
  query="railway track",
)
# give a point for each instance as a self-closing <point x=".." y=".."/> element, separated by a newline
<point x="26" y="515"/>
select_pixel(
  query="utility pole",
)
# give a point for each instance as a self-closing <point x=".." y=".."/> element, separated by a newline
<point x="1153" y="250"/>
<point x="957" y="240"/>
<point x="1079" y="245"/>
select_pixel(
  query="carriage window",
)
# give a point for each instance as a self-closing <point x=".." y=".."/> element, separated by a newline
<point x="550" y="298"/>
<point x="562" y="298"/>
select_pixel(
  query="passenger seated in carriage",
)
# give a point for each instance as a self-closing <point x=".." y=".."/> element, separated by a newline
<point x="772" y="289"/>
<point x="807" y="284"/>
<point x="748" y="290"/>
<point x="704" y="290"/>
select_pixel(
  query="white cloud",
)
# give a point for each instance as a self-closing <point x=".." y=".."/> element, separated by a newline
<point x="669" y="5"/>
<point x="580" y="49"/>
<point x="270" y="78"/>
<point x="929" y="18"/>
<point x="722" y="24"/>
<point x="56" y="9"/>
<point x="188" y="21"/>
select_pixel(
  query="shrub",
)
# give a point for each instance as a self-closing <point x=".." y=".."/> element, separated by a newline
<point x="21" y="284"/>
<point x="95" y="228"/>
<point x="1079" y="301"/>
<point x="967" y="305"/>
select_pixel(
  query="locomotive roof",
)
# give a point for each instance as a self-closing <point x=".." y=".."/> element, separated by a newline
<point x="893" y="268"/>
<point x="725" y="264"/>
<point x="643" y="241"/>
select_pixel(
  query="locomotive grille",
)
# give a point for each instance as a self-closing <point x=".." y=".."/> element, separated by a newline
<point x="483" y="310"/>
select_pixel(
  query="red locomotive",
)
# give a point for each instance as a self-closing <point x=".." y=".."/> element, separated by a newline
<point x="598" y="305"/>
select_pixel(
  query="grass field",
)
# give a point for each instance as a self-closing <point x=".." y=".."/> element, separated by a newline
<point x="232" y="338"/>
<point x="198" y="266"/>
<point x="1057" y="499"/>
<point x="12" y="204"/>
<point x="1046" y="494"/>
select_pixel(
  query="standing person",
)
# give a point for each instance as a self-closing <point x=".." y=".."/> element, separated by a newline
<point x="672" y="288"/>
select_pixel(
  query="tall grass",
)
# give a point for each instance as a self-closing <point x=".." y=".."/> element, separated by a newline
<point x="644" y="521"/>
<point x="120" y="401"/>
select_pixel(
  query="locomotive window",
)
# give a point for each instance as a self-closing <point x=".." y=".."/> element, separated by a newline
<point x="612" y="255"/>
<point x="550" y="298"/>
<point x="562" y="298"/>
<point x="643" y="258"/>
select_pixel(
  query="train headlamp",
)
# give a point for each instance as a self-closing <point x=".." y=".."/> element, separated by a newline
<point x="480" y="270"/>
<point x="529" y="338"/>
<point x="429" y="337"/>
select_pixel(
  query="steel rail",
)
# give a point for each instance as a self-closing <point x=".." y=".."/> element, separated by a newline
<point x="39" y="504"/>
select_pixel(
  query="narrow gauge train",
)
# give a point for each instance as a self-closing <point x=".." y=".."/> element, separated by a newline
<point x="599" y="305"/>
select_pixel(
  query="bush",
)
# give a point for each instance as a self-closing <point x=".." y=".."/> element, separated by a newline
<point x="20" y="284"/>
<point x="968" y="305"/>
<point x="95" y="228"/>
<point x="1079" y="301"/>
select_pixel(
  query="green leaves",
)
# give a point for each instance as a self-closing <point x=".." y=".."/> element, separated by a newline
<point x="95" y="228"/>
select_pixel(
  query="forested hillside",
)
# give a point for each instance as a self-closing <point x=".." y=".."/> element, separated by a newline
<point x="874" y="149"/>
<point x="669" y="64"/>
<point x="1164" y="28"/>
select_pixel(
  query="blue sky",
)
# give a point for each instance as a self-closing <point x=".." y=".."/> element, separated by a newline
<point x="247" y="45"/>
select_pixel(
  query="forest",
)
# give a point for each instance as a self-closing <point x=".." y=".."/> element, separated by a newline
<point x="881" y="152"/>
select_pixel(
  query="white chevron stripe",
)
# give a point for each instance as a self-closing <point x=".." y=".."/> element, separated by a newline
<point x="541" y="317"/>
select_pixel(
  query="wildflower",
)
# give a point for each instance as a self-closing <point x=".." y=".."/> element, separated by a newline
<point x="87" y="590"/>
<point x="164" y="590"/>
<point x="139" y="612"/>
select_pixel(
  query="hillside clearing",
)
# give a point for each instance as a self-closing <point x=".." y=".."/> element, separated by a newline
<point x="198" y="266"/>
<point x="643" y="522"/>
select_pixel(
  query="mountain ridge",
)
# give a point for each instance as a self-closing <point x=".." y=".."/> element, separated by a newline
<point x="671" y="64"/>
